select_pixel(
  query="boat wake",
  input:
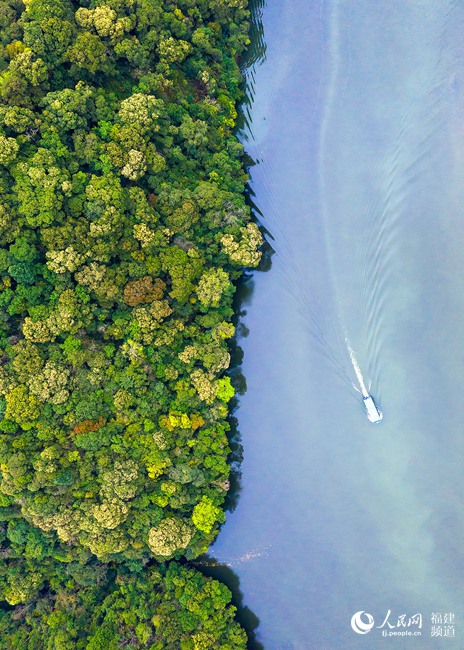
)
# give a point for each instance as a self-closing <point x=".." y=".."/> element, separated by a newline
<point x="357" y="369"/>
<point x="374" y="414"/>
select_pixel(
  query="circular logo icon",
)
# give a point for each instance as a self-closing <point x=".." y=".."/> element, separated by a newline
<point x="359" y="626"/>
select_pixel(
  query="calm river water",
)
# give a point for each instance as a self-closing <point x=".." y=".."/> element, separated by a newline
<point x="357" y="128"/>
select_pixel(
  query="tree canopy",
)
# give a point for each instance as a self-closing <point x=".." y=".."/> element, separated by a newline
<point x="123" y="229"/>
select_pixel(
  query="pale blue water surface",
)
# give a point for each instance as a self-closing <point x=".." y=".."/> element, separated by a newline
<point x="357" y="127"/>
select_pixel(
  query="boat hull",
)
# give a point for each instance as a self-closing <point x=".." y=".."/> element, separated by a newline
<point x="374" y="414"/>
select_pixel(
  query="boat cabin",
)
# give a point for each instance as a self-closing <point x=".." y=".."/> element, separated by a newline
<point x="374" y="414"/>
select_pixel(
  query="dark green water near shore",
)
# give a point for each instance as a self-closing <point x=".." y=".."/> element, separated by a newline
<point x="356" y="124"/>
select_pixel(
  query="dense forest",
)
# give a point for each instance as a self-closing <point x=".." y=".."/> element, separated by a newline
<point x="123" y="229"/>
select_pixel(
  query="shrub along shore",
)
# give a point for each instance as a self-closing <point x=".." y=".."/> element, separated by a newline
<point x="123" y="229"/>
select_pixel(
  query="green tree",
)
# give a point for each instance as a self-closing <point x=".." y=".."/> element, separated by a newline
<point x="206" y="515"/>
<point x="211" y="287"/>
<point x="169" y="537"/>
